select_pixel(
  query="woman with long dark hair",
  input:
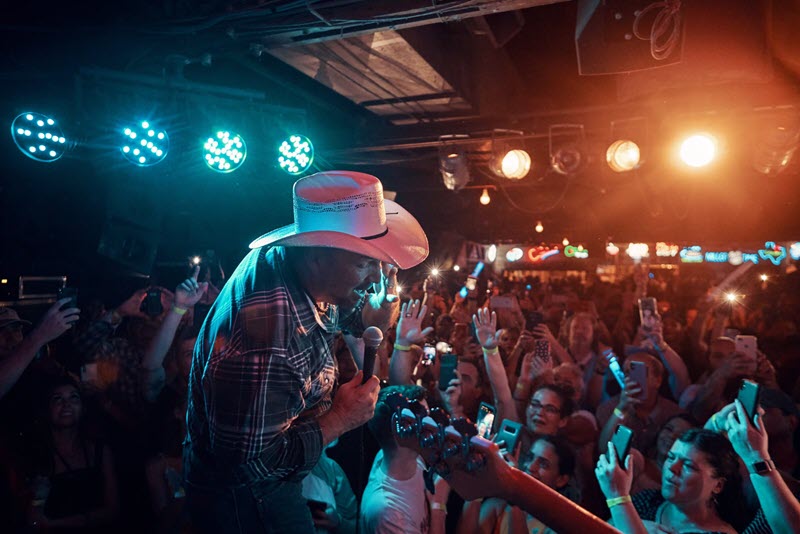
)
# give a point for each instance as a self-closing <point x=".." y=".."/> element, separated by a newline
<point x="75" y="487"/>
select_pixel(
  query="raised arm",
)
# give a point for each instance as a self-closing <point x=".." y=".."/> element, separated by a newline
<point x="486" y="330"/>
<point x="54" y="323"/>
<point x="409" y="332"/>
<point x="781" y="508"/>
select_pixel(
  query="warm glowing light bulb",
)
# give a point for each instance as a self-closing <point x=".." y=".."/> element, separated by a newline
<point x="399" y="288"/>
<point x="623" y="155"/>
<point x="699" y="150"/>
<point x="485" y="198"/>
<point x="539" y="227"/>
<point x="456" y="268"/>
<point x="565" y="242"/>
<point x="764" y="277"/>
<point x="435" y="271"/>
<point x="516" y="164"/>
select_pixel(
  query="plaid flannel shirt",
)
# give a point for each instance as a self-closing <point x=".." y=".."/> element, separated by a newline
<point x="262" y="373"/>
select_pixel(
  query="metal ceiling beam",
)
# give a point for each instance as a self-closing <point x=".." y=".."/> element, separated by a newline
<point x="321" y="23"/>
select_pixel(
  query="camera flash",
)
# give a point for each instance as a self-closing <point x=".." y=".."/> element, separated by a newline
<point x="731" y="297"/>
<point x="764" y="277"/>
<point x="435" y="271"/>
<point x="196" y="260"/>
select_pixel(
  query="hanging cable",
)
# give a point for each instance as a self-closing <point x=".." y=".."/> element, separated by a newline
<point x="665" y="32"/>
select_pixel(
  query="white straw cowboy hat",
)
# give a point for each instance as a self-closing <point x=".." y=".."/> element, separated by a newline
<point x="346" y="210"/>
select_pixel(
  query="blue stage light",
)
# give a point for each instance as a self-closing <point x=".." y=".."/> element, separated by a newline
<point x="144" y="144"/>
<point x="296" y="154"/>
<point x="225" y="151"/>
<point x="38" y="137"/>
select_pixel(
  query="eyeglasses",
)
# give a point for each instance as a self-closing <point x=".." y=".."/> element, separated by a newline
<point x="549" y="408"/>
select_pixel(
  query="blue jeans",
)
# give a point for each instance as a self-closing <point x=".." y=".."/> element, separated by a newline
<point x="217" y="506"/>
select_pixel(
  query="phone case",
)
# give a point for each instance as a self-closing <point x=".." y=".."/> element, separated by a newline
<point x="447" y="370"/>
<point x="638" y="373"/>
<point x="541" y="349"/>
<point x="68" y="292"/>
<point x="622" y="443"/>
<point x="747" y="345"/>
<point x="749" y="396"/>
<point x="508" y="435"/>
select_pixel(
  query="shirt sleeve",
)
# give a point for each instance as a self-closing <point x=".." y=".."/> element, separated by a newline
<point x="253" y="399"/>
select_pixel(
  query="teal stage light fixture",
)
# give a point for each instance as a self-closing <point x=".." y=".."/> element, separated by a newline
<point x="296" y="154"/>
<point x="39" y="137"/>
<point x="225" y="151"/>
<point x="144" y="144"/>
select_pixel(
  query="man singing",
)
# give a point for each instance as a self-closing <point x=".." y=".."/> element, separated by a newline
<point x="261" y="390"/>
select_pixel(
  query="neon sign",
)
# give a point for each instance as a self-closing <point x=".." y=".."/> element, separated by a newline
<point x="692" y="254"/>
<point x="666" y="250"/>
<point x="794" y="251"/>
<point x="772" y="252"/>
<point x="537" y="254"/>
<point x="576" y="252"/>
<point x="612" y="249"/>
<point x="637" y="251"/>
<point x="751" y="257"/>
<point x="515" y="254"/>
<point x="716" y="257"/>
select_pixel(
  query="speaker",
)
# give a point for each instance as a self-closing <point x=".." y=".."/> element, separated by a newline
<point x="605" y="41"/>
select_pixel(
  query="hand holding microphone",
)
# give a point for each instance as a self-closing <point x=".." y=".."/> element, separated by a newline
<point x="372" y="340"/>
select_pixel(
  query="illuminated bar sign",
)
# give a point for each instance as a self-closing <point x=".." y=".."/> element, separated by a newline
<point x="693" y="254"/>
<point x="794" y="251"/>
<point x="515" y="254"/>
<point x="666" y="250"/>
<point x="637" y="251"/>
<point x="772" y="252"/>
<point x="576" y="252"/>
<point x="537" y="254"/>
<point x="716" y="257"/>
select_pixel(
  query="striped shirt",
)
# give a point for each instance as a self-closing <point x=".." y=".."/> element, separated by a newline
<point x="262" y="373"/>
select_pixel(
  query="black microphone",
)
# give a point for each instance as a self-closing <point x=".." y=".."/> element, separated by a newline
<point x="372" y="337"/>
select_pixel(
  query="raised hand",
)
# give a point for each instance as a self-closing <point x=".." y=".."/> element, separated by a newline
<point x="383" y="306"/>
<point x="55" y="322"/>
<point x="749" y="441"/>
<point x="131" y="307"/>
<point x="409" y="328"/>
<point x="614" y="480"/>
<point x="189" y="292"/>
<point x="631" y="396"/>
<point x="486" y="328"/>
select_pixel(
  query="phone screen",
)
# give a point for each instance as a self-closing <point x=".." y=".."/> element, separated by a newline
<point x="485" y="420"/>
<point x="71" y="293"/>
<point x="638" y="373"/>
<point x="472" y="283"/>
<point x="535" y="318"/>
<point x="648" y="313"/>
<point x="429" y="354"/>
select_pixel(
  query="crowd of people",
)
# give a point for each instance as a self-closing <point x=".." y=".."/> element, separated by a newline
<point x="245" y="405"/>
<point x="93" y="426"/>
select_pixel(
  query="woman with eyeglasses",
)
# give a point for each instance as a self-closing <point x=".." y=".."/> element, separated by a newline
<point x="701" y="490"/>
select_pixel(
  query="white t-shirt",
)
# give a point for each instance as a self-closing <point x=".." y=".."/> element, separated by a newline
<point x="391" y="506"/>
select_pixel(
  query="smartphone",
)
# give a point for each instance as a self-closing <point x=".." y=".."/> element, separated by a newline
<point x="486" y="413"/>
<point x="151" y="305"/>
<point x="638" y="373"/>
<point x="616" y="368"/>
<point x="71" y="293"/>
<point x="622" y="443"/>
<point x="444" y="347"/>
<point x="447" y="370"/>
<point x="541" y="349"/>
<point x="747" y="345"/>
<point x="648" y="312"/>
<point x="428" y="354"/>
<point x="731" y="333"/>
<point x="534" y="319"/>
<point x="507" y="436"/>
<point x="749" y="393"/>
<point x="472" y="283"/>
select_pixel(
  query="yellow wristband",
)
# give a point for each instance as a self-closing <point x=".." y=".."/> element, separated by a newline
<point x="489" y="352"/>
<point x="398" y="346"/>
<point x="619" y="413"/>
<point x="439" y="506"/>
<point x="618" y="500"/>
<point x="180" y="311"/>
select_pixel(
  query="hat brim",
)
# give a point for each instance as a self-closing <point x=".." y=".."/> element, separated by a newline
<point x="404" y="245"/>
